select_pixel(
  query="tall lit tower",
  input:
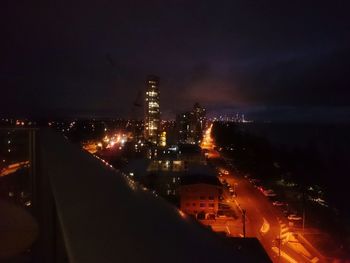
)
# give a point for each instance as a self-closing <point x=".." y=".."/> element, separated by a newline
<point x="152" y="111"/>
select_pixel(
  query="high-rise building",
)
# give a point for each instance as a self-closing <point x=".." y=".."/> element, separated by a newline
<point x="198" y="122"/>
<point x="152" y="110"/>
<point x="183" y="121"/>
<point x="190" y="125"/>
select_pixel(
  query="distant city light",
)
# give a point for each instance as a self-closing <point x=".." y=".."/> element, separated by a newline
<point x="182" y="214"/>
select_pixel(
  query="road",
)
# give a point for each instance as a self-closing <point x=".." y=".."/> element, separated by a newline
<point x="263" y="220"/>
<point x="13" y="168"/>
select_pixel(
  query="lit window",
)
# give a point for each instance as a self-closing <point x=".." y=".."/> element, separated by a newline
<point x="152" y="93"/>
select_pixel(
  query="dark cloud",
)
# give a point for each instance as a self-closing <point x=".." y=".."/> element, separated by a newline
<point x="93" y="56"/>
<point x="308" y="80"/>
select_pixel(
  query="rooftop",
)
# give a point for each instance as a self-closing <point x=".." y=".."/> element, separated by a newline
<point x="200" y="179"/>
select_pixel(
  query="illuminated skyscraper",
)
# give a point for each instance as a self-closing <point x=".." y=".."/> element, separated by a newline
<point x="152" y="111"/>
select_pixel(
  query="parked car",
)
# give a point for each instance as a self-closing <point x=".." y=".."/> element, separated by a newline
<point x="254" y="180"/>
<point x="269" y="193"/>
<point x="278" y="203"/>
<point x="293" y="217"/>
<point x="261" y="189"/>
<point x="221" y="214"/>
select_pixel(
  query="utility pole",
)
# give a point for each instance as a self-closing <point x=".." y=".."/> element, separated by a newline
<point x="279" y="240"/>
<point x="32" y="163"/>
<point x="303" y="210"/>
<point x="303" y="220"/>
<point x="243" y="220"/>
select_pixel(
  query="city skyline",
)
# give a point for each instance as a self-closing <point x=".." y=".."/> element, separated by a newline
<point x="175" y="131"/>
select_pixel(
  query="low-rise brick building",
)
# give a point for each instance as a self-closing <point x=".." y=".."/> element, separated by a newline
<point x="199" y="196"/>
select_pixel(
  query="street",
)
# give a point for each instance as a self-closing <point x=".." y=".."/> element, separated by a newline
<point x="13" y="168"/>
<point x="263" y="220"/>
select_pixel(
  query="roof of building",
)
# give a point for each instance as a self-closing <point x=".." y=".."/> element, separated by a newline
<point x="137" y="166"/>
<point x="200" y="169"/>
<point x="189" y="149"/>
<point x="140" y="166"/>
<point x="247" y="246"/>
<point x="200" y="179"/>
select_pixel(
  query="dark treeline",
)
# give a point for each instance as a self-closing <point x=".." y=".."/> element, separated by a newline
<point x="258" y="156"/>
<point x="307" y="164"/>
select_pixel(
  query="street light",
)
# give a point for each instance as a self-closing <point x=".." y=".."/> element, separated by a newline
<point x="243" y="220"/>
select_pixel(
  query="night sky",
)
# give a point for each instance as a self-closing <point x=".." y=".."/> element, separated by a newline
<point x="269" y="59"/>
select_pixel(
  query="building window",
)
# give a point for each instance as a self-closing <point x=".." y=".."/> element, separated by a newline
<point x="202" y="204"/>
<point x="202" y="197"/>
<point x="193" y="204"/>
<point x="211" y="205"/>
<point x="211" y="197"/>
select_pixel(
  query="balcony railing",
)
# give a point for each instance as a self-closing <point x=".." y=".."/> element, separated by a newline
<point x="89" y="212"/>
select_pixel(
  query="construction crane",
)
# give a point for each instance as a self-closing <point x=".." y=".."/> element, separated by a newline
<point x="137" y="105"/>
<point x="136" y="111"/>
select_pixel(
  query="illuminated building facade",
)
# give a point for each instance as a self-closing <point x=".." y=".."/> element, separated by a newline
<point x="152" y="110"/>
<point x="162" y="141"/>
<point x="199" y="196"/>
